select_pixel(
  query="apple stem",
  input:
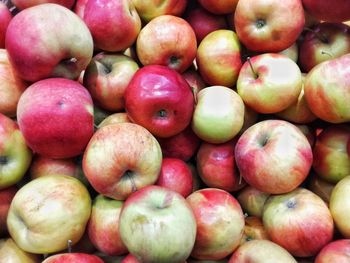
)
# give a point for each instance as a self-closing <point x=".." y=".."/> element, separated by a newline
<point x="251" y="67"/>
<point x="194" y="95"/>
<point x="326" y="53"/>
<point x="133" y="184"/>
<point x="319" y="35"/>
<point x="69" y="246"/>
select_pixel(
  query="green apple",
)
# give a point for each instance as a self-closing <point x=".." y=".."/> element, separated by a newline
<point x="11" y="253"/>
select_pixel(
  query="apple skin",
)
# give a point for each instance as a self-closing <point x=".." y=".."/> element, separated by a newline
<point x="219" y="7"/>
<point x="23" y="4"/>
<point x="55" y="51"/>
<point x="299" y="221"/>
<point x="219" y="114"/>
<point x="152" y="224"/>
<point x="114" y="24"/>
<point x="263" y="89"/>
<point x="6" y="196"/>
<point x="79" y="8"/>
<point x="335" y="11"/>
<point x="55" y="116"/>
<point x="339" y="206"/>
<point x="122" y="158"/>
<point x="220" y="223"/>
<point x="273" y="156"/>
<point x="219" y="58"/>
<point x="324" y="42"/>
<point x="15" y="155"/>
<point x="261" y="27"/>
<point x="107" y="77"/>
<point x="335" y="251"/>
<point x="328" y="104"/>
<point x="167" y="40"/>
<point x="253" y="230"/>
<point x="103" y="226"/>
<point x="11" y="85"/>
<point x="5" y="18"/>
<point x="114" y="118"/>
<point x="320" y="187"/>
<point x="43" y="204"/>
<point x="151" y="8"/>
<point x="195" y="80"/>
<point x="257" y="251"/>
<point x="217" y="167"/>
<point x="10" y="252"/>
<point x="130" y="259"/>
<point x="331" y="159"/>
<point x="291" y="52"/>
<point x="252" y="201"/>
<point x="203" y="22"/>
<point x="73" y="257"/>
<point x="159" y="99"/>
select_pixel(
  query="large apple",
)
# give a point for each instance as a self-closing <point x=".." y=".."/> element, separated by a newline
<point x="15" y="156"/>
<point x="252" y="201"/>
<point x="23" y="4"/>
<point x="55" y="116"/>
<point x="107" y="77"/>
<point x="219" y="7"/>
<point x="329" y="104"/>
<point x="269" y="83"/>
<point x="73" y="257"/>
<point x="47" y="212"/>
<point x="299" y="221"/>
<point x="157" y="225"/>
<point x="49" y="50"/>
<point x="122" y="158"/>
<point x="103" y="226"/>
<point x="220" y="223"/>
<point x="219" y="58"/>
<point x="6" y="196"/>
<point x="159" y="99"/>
<point x="10" y="252"/>
<point x="218" y="115"/>
<point x="335" y="251"/>
<point x="114" y="24"/>
<point x="5" y="18"/>
<point x="167" y="40"/>
<point x="273" y="156"/>
<point x="269" y="25"/>
<point x="332" y="11"/>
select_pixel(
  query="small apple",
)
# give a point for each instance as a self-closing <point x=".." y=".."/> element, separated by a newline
<point x="195" y="81"/>
<point x="291" y="52"/>
<point x="5" y="18"/>
<point x="252" y="200"/>
<point x="6" y="196"/>
<point x="320" y="187"/>
<point x="23" y="4"/>
<point x="253" y="230"/>
<point x="73" y="257"/>
<point x="114" y="118"/>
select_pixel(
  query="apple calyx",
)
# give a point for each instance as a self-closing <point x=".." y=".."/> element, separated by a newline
<point x="327" y="53"/>
<point x="322" y="37"/>
<point x="291" y="203"/>
<point x="103" y="68"/>
<point x="162" y="113"/>
<point x="3" y="160"/>
<point x="129" y="175"/>
<point x="260" y="23"/>
<point x="174" y="62"/>
<point x="256" y="75"/>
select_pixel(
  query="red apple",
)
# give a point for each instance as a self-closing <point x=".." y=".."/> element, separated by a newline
<point x="217" y="167"/>
<point x="220" y="223"/>
<point x="299" y="221"/>
<point x="252" y="201"/>
<point x="49" y="50"/>
<point x="130" y="259"/>
<point x="273" y="156"/>
<point x="167" y="40"/>
<point x="193" y="79"/>
<point x="219" y="7"/>
<point x="268" y="26"/>
<point x="335" y="251"/>
<point x="122" y="158"/>
<point x="56" y="117"/>
<point x="332" y="11"/>
<point x="5" y="18"/>
<point x="176" y="175"/>
<point x="159" y="99"/>
<point x="73" y="257"/>
<point x="6" y="196"/>
<point x="23" y="4"/>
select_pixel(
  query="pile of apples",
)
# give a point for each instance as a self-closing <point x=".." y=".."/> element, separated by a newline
<point x="174" y="131"/>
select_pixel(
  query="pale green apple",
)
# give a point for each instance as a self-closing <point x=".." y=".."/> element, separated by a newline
<point x="11" y="253"/>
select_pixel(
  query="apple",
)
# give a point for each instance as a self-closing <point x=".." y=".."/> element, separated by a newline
<point x="23" y="4"/>
<point x="323" y="42"/>
<point x="335" y="251"/>
<point x="320" y="187"/>
<point x="114" y="24"/>
<point x="273" y="156"/>
<point x="73" y="257"/>
<point x="291" y="52"/>
<point x="176" y="175"/>
<point x="183" y="145"/>
<point x="79" y="7"/>
<point x="218" y="115"/>
<point x="114" y="118"/>
<point x="269" y="26"/>
<point x="122" y="158"/>
<point x="193" y="79"/>
<point x="252" y="200"/>
<point x="15" y="156"/>
<point x="157" y="225"/>
<point x="150" y="9"/>
<point x="219" y="7"/>
<point x="11" y="85"/>
<point x="107" y="77"/>
<point x="328" y="104"/>
<point x="339" y="206"/>
<point x="130" y="259"/>
<point x="55" y="116"/>
<point x="204" y="22"/>
<point x="220" y="223"/>
<point x="5" y="18"/>
<point x="217" y="168"/>
<point x="167" y="40"/>
<point x="61" y="48"/>
<point x="99" y="115"/>
<point x="299" y="221"/>
<point x="47" y="212"/>
<point x="159" y="99"/>
<point x="103" y="226"/>
<point x="335" y="11"/>
<point x="250" y="118"/>
<point x="258" y="251"/>
<point x="6" y="196"/>
<point x="253" y="230"/>
<point x="11" y="253"/>
<point x="331" y="159"/>
<point x="219" y="58"/>
<point x="309" y="132"/>
<point x="269" y="83"/>
<point x="197" y="181"/>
